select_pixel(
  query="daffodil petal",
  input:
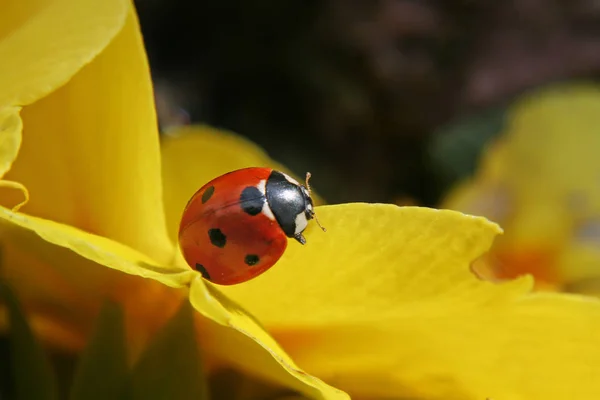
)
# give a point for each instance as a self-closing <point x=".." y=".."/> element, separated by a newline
<point x="578" y="265"/>
<point x="254" y="350"/>
<point x="478" y="197"/>
<point x="90" y="153"/>
<point x="44" y="43"/>
<point x="10" y="137"/>
<point x="10" y="142"/>
<point x="95" y="248"/>
<point x="564" y="118"/>
<point x="540" y="179"/>
<point x="540" y="346"/>
<point x="555" y="184"/>
<point x="372" y="262"/>
<point x="193" y="155"/>
<point x="21" y="189"/>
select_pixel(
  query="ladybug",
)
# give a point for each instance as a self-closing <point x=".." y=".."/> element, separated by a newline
<point x="237" y="226"/>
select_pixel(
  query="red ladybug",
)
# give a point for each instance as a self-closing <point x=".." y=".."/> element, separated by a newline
<point x="236" y="226"/>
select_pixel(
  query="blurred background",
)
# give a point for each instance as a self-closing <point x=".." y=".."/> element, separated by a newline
<point x="364" y="94"/>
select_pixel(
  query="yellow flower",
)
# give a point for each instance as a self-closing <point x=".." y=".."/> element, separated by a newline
<point x="382" y="305"/>
<point x="541" y="181"/>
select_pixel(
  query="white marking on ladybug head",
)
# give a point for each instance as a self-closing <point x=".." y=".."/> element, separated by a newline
<point x="290" y="179"/>
<point x="266" y="210"/>
<point x="309" y="206"/>
<point x="301" y="223"/>
<point x="262" y="186"/>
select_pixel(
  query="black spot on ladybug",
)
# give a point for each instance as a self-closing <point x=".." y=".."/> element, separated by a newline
<point x="203" y="271"/>
<point x="217" y="238"/>
<point x="252" y="200"/>
<point x="207" y="194"/>
<point x="251" y="259"/>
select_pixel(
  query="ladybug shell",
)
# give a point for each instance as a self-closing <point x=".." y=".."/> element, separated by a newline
<point x="228" y="231"/>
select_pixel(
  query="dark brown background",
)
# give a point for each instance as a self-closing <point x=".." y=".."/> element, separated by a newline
<point x="359" y="92"/>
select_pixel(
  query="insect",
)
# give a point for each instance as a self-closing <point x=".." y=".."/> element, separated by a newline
<point x="237" y="226"/>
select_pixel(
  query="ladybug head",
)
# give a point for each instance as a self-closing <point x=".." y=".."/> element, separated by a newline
<point x="291" y="204"/>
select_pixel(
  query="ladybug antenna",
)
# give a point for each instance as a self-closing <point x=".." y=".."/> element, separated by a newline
<point x="308" y="175"/>
<point x="318" y="223"/>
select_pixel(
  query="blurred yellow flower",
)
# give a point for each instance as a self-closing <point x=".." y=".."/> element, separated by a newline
<point x="382" y="305"/>
<point x="540" y="180"/>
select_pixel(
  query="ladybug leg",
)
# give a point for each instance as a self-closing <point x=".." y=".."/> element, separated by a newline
<point x="300" y="238"/>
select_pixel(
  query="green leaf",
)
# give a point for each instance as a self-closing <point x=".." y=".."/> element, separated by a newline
<point x="102" y="370"/>
<point x="170" y="368"/>
<point x="33" y="376"/>
<point x="455" y="148"/>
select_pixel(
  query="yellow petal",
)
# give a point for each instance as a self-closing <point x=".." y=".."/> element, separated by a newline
<point x="254" y="350"/>
<point x="550" y="161"/>
<point x="555" y="185"/>
<point x="193" y="155"/>
<point x="44" y="43"/>
<point x="10" y="142"/>
<point x="374" y="261"/>
<point x="551" y="139"/>
<point x="537" y="347"/>
<point x="20" y="227"/>
<point x="90" y="152"/>
<point x="10" y="137"/>
<point x="540" y="180"/>
<point x="480" y="197"/>
<point x="578" y="264"/>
